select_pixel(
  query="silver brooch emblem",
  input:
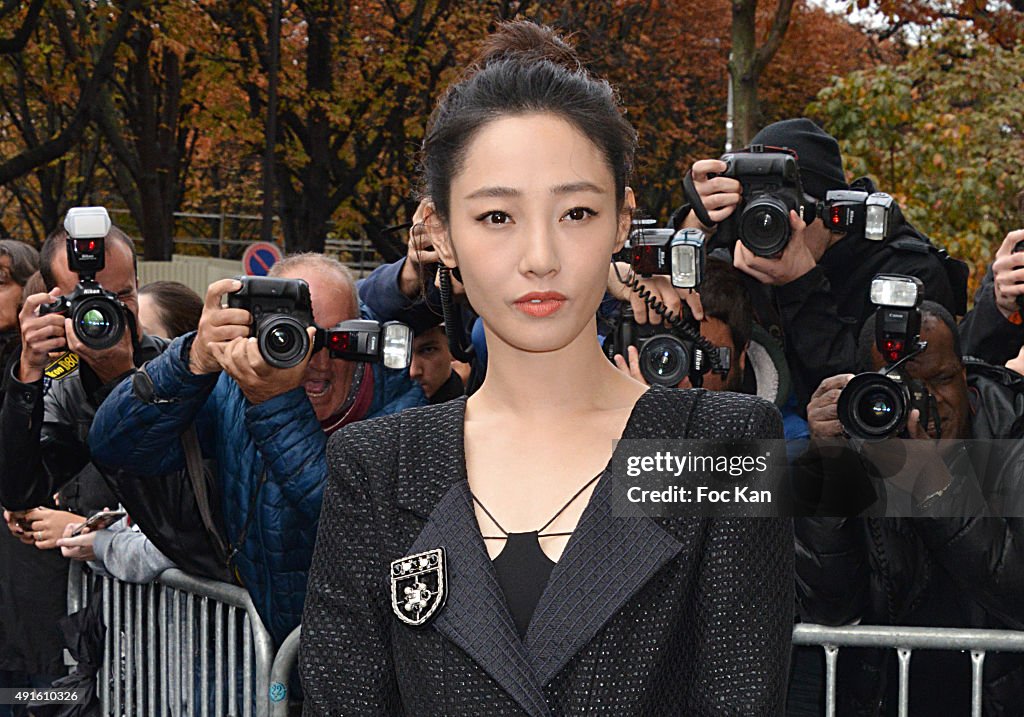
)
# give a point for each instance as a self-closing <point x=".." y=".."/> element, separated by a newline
<point x="418" y="586"/>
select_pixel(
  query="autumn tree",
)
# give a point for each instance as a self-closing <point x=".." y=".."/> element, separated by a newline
<point x="944" y="133"/>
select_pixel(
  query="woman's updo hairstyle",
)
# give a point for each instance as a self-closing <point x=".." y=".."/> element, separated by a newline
<point x="523" y="68"/>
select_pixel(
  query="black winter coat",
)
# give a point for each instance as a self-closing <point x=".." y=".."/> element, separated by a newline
<point x="640" y="616"/>
<point x="933" y="572"/>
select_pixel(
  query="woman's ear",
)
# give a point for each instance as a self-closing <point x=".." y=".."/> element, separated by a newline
<point x="436" y="233"/>
<point x="625" y="219"/>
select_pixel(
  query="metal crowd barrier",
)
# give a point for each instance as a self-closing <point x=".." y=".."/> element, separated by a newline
<point x="184" y="647"/>
<point x="905" y="640"/>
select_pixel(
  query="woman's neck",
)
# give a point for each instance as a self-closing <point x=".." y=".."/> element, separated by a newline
<point x="576" y="378"/>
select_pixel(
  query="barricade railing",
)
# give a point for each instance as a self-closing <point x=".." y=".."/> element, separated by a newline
<point x="905" y="640"/>
<point x="180" y="647"/>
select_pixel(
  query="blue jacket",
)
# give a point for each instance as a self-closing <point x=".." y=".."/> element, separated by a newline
<point x="270" y="458"/>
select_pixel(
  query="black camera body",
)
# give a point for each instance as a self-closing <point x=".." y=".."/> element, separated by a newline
<point x="770" y="178"/>
<point x="97" y="315"/>
<point x="666" y="355"/>
<point x="875" y="406"/>
<point x="281" y="312"/>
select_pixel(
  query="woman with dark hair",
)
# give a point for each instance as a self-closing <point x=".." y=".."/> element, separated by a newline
<point x="168" y="309"/>
<point x="468" y="560"/>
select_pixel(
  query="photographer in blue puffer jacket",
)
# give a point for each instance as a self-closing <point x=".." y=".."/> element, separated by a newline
<point x="264" y="427"/>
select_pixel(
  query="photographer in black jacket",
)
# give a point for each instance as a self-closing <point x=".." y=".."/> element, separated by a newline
<point x="814" y="294"/>
<point x="932" y="571"/>
<point x="50" y="403"/>
<point x="994" y="329"/>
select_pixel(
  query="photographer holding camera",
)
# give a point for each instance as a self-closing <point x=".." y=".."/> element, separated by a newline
<point x="949" y="571"/>
<point x="812" y="277"/>
<point x="89" y="314"/>
<point x="263" y="400"/>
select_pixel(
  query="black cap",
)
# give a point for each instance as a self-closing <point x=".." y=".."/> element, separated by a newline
<point x="821" y="164"/>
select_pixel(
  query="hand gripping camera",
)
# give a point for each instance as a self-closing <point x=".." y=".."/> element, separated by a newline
<point x="874" y="406"/>
<point x="771" y="185"/>
<point x="282" y="311"/>
<point x="97" y="315"/>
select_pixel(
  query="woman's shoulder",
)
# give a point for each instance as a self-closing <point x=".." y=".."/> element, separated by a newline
<point x="374" y="443"/>
<point x="699" y="413"/>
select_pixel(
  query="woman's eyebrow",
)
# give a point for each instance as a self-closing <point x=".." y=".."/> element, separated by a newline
<point x="494" y="193"/>
<point x="574" y="187"/>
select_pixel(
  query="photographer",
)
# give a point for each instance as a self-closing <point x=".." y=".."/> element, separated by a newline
<point x="266" y="427"/>
<point x="49" y="403"/>
<point x="993" y="329"/>
<point x="815" y="290"/>
<point x="950" y="571"/>
<point x="18" y="261"/>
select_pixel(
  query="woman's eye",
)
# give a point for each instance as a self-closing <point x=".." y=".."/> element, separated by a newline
<point x="495" y="217"/>
<point x="578" y="214"/>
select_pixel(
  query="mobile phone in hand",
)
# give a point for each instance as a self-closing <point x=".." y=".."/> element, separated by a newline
<point x="98" y="521"/>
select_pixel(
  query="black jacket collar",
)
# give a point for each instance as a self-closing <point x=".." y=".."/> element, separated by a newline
<point x="607" y="560"/>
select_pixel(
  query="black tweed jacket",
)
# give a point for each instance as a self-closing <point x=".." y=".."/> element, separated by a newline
<point x="641" y="616"/>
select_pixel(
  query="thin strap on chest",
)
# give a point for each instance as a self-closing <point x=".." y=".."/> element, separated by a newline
<point x="505" y="534"/>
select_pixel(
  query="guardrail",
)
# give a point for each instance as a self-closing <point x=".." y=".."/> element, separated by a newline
<point x="905" y="640"/>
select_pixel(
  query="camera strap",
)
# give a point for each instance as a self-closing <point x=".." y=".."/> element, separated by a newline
<point x="692" y="197"/>
<point x="197" y="475"/>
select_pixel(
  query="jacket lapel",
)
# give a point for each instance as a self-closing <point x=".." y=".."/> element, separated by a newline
<point x="475" y="616"/>
<point x="608" y="559"/>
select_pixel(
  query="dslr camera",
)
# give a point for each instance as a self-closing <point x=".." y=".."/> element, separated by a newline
<point x="771" y="185"/>
<point x="97" y="315"/>
<point x="282" y="311"/>
<point x="666" y="355"/>
<point x="875" y="406"/>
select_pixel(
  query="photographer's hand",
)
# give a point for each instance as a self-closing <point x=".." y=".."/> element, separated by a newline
<point x="1008" y="274"/>
<point x="660" y="288"/>
<point x="720" y="195"/>
<point x="18" y="527"/>
<point x="39" y="336"/>
<point x="631" y="365"/>
<point x="822" y="415"/>
<point x="107" y="364"/>
<point x="420" y="252"/>
<point x="795" y="261"/>
<point x="217" y="325"/>
<point x="259" y="381"/>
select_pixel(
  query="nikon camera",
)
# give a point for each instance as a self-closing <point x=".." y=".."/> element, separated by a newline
<point x="97" y="315"/>
<point x="874" y="406"/>
<point x="771" y="185"/>
<point x="282" y="311"/>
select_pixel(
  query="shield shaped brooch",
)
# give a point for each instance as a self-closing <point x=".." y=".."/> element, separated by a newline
<point x="418" y="586"/>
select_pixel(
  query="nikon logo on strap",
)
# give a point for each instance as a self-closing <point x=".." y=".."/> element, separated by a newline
<point x="62" y="367"/>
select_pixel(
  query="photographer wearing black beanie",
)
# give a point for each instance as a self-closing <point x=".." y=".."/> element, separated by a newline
<point x="815" y="292"/>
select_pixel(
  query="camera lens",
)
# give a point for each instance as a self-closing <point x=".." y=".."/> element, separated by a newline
<point x="98" y="322"/>
<point x="282" y="340"/>
<point x="664" y="360"/>
<point x="872" y="406"/>
<point x="764" y="226"/>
